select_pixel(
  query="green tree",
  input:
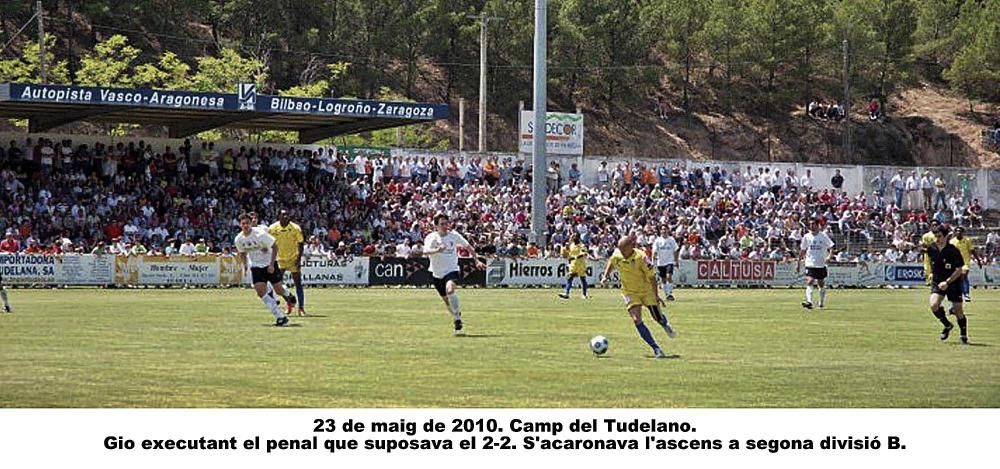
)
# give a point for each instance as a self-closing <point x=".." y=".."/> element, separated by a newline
<point x="25" y="68"/>
<point x="678" y="27"/>
<point x="109" y="64"/>
<point x="170" y="73"/>
<point x="975" y="71"/>
<point x="228" y="69"/>
<point x="726" y="40"/>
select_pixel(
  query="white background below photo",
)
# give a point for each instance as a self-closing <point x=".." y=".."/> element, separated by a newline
<point x="932" y="438"/>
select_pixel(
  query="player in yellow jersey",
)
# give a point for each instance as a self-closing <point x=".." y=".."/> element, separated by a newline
<point x="290" y="242"/>
<point x="576" y="254"/>
<point x="925" y="242"/>
<point x="638" y="289"/>
<point x="969" y="254"/>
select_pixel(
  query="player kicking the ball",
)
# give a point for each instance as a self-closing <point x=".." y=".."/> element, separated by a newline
<point x="638" y="289"/>
<point x="441" y="246"/>
<point x="817" y="248"/>
<point x="257" y="251"/>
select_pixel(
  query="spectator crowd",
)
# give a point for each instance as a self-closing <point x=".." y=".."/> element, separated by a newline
<point x="131" y="198"/>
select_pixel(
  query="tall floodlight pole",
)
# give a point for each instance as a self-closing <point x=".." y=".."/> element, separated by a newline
<point x="538" y="160"/>
<point x="484" y="22"/>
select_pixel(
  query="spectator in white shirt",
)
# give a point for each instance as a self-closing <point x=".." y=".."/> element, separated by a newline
<point x="912" y="194"/>
<point x="927" y="188"/>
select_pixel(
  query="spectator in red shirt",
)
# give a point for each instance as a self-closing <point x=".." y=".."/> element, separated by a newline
<point x="9" y="243"/>
<point x="114" y="230"/>
<point x="33" y="248"/>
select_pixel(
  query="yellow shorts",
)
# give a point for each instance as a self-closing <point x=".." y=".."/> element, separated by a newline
<point x="580" y="271"/>
<point x="289" y="265"/>
<point x="642" y="299"/>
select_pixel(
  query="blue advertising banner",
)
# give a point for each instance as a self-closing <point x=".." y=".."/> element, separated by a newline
<point x="352" y="108"/>
<point x="139" y="97"/>
<point x="245" y="99"/>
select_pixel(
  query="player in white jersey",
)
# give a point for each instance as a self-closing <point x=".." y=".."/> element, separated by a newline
<point x="816" y="248"/>
<point x="665" y="258"/>
<point x="265" y="228"/>
<point x="258" y="253"/>
<point x="441" y="246"/>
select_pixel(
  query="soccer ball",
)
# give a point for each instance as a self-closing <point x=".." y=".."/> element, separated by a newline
<point x="599" y="345"/>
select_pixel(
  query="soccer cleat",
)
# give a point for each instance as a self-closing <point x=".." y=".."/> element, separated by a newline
<point x="564" y="296"/>
<point x="282" y="321"/>
<point x="302" y="312"/>
<point x="458" y="327"/>
<point x="670" y="297"/>
<point x="964" y="340"/>
<point x="670" y="330"/>
<point x="946" y="331"/>
<point x="821" y="304"/>
<point x="584" y="297"/>
<point x="966" y="299"/>
<point x="6" y="309"/>
<point x="658" y="353"/>
<point x="807" y="305"/>
<point x="289" y="308"/>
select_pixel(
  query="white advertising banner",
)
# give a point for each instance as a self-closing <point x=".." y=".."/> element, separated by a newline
<point x="164" y="270"/>
<point x="86" y="269"/>
<point x="340" y="271"/>
<point x="538" y="272"/>
<point x="563" y="133"/>
<point x="28" y="269"/>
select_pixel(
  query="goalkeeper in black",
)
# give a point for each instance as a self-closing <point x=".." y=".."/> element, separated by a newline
<point x="947" y="268"/>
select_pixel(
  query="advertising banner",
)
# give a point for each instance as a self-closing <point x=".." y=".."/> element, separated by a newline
<point x="163" y="270"/>
<point x="22" y="269"/>
<point x="563" y="133"/>
<point x="414" y="271"/>
<point x="86" y="269"/>
<point x="73" y="269"/>
<point x="538" y="272"/>
<point x="341" y="271"/>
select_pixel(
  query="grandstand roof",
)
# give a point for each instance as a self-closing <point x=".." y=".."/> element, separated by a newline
<point x="186" y="113"/>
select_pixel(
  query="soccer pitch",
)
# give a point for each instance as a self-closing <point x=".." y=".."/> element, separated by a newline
<point x="381" y="347"/>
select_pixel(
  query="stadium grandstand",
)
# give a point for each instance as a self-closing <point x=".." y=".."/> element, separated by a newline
<point x="85" y="194"/>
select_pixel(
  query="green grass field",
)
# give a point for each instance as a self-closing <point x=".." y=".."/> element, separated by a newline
<point x="393" y="347"/>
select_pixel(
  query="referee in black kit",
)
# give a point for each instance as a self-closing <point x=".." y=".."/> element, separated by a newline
<point x="947" y="267"/>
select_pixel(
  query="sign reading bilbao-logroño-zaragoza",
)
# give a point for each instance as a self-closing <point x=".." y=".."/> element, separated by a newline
<point x="563" y="133"/>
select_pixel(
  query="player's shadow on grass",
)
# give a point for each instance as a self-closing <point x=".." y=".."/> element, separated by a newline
<point x="478" y="336"/>
<point x="672" y="356"/>
<point x="310" y="315"/>
<point x="294" y="324"/>
<point x="977" y="344"/>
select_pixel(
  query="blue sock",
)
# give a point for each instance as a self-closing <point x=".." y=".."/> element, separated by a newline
<point x="583" y="281"/>
<point x="965" y="286"/>
<point x="569" y="285"/>
<point x="646" y="335"/>
<point x="301" y="295"/>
